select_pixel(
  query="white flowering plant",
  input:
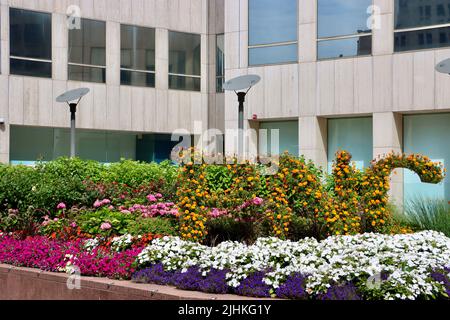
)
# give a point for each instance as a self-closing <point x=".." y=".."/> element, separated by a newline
<point x="387" y="267"/>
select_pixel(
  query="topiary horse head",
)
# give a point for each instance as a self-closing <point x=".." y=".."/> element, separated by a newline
<point x="370" y="189"/>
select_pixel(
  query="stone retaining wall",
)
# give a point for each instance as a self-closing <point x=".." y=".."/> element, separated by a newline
<point x="32" y="284"/>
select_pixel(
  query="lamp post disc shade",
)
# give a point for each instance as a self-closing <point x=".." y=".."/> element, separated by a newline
<point x="241" y="83"/>
<point x="443" y="66"/>
<point x="73" y="95"/>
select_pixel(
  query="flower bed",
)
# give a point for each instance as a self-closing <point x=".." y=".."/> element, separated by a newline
<point x="369" y="266"/>
<point x="63" y="256"/>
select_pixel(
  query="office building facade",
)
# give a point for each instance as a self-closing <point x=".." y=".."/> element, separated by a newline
<point x="336" y="74"/>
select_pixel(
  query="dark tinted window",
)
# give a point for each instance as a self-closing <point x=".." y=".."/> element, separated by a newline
<point x="422" y="39"/>
<point x="87" y="47"/>
<point x="30" y="38"/>
<point x="426" y="15"/>
<point x="414" y="13"/>
<point x="184" y="60"/>
<point x="137" y="48"/>
<point x="137" y="56"/>
<point x="220" y="62"/>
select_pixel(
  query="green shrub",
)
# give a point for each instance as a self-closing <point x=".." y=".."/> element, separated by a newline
<point x="160" y="226"/>
<point x="64" y="180"/>
<point x="16" y="186"/>
<point x="91" y="222"/>
<point x="428" y="214"/>
<point x="218" y="178"/>
<point x="135" y="173"/>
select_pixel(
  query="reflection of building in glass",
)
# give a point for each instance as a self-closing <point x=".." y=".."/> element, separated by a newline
<point x="364" y="46"/>
<point x="416" y="13"/>
<point x="421" y="24"/>
<point x="422" y="39"/>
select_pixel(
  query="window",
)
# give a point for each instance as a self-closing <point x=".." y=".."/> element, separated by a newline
<point x="184" y="61"/>
<point x="87" y="52"/>
<point x="421" y="24"/>
<point x="353" y="135"/>
<point x="46" y="144"/>
<point x="273" y="31"/>
<point x="287" y="135"/>
<point x="30" y="43"/>
<point x="427" y="134"/>
<point x="137" y="56"/>
<point x="343" y="29"/>
<point x="220" y="62"/>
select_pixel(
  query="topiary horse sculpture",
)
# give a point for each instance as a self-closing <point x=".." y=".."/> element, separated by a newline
<point x="352" y="201"/>
<point x="364" y="195"/>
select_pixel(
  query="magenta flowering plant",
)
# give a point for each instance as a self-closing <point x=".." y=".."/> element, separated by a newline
<point x="156" y="208"/>
<point x="250" y="211"/>
<point x="57" y="255"/>
<point x="101" y="203"/>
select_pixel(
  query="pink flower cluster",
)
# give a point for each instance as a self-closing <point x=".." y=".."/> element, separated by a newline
<point x="61" y="206"/>
<point x="47" y="221"/>
<point x="153" y="210"/>
<point x="254" y="202"/>
<point x="101" y="203"/>
<point x="154" y="197"/>
<point x="217" y="213"/>
<point x="51" y="255"/>
<point x="105" y="226"/>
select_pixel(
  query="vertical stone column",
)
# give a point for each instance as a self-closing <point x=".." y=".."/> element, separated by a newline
<point x="313" y="139"/>
<point x="60" y="44"/>
<point x="388" y="137"/>
<point x="112" y="53"/>
<point x="307" y="31"/>
<point x="232" y="10"/>
<point x="4" y="38"/>
<point x="383" y="30"/>
<point x="4" y="114"/>
<point x="4" y="82"/>
<point x="312" y="130"/>
<point x="162" y="59"/>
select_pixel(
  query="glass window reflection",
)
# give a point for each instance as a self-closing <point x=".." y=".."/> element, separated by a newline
<point x="184" y="61"/>
<point x="30" y="39"/>
<point x="426" y="17"/>
<point x="137" y="56"/>
<point x="272" y="21"/>
<point x="342" y="17"/>
<point x="345" y="47"/>
<point x="272" y="55"/>
<point x="273" y="31"/>
<point x="87" y="52"/>
<point x="87" y="44"/>
<point x="220" y="62"/>
<point x="344" y="28"/>
<point x="415" y="13"/>
<point x="422" y="39"/>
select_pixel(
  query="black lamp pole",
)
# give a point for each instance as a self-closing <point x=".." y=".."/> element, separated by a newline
<point x="241" y="99"/>
<point x="73" y="111"/>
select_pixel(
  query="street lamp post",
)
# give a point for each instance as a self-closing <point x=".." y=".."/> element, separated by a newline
<point x="241" y="86"/>
<point x="69" y="97"/>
